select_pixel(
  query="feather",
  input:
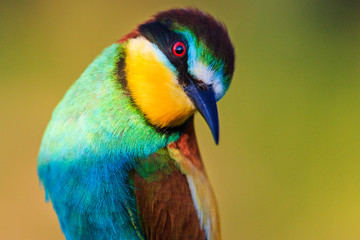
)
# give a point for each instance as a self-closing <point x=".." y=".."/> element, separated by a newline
<point x="173" y="195"/>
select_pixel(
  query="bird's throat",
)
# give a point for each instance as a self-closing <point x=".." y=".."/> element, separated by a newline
<point x="153" y="85"/>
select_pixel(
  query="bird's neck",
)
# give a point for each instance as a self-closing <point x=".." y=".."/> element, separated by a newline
<point x="97" y="118"/>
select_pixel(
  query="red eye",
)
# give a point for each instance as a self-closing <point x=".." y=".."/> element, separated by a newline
<point x="179" y="49"/>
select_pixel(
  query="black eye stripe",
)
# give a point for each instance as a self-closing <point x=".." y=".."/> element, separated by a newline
<point x="165" y="39"/>
<point x="159" y="34"/>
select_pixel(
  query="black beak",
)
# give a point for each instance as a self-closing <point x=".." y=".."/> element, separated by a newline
<point x="205" y="102"/>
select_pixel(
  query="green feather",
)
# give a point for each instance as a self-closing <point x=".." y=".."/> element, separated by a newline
<point x="95" y="136"/>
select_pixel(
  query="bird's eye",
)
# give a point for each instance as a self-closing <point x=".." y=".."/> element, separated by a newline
<point x="179" y="49"/>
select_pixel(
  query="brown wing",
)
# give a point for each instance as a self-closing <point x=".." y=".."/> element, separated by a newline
<point x="166" y="184"/>
<point x="165" y="207"/>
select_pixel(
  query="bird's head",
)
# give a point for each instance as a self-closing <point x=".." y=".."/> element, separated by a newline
<point x="178" y="62"/>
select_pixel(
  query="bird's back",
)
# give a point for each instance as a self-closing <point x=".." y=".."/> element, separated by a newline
<point x="87" y="167"/>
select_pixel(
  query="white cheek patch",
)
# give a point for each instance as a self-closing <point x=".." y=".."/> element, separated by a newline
<point x="208" y="76"/>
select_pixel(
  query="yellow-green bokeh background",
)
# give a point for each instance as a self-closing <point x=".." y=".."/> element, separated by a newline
<point x="288" y="163"/>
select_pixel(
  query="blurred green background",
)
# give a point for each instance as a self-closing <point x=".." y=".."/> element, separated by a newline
<point x="288" y="163"/>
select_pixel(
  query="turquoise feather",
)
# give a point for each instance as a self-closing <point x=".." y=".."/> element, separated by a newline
<point x="94" y="138"/>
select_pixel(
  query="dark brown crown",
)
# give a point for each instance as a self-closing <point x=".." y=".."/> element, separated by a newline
<point x="205" y="27"/>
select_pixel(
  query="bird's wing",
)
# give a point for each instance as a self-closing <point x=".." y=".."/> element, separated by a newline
<point x="173" y="195"/>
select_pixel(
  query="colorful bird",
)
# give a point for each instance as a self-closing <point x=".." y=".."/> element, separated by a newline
<point x="119" y="158"/>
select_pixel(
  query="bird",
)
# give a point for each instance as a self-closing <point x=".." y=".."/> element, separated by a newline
<point x="119" y="158"/>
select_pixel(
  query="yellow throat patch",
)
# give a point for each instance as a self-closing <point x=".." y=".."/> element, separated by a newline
<point x="154" y="87"/>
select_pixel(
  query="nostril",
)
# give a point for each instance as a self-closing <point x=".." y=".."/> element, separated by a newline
<point x="201" y="85"/>
<point x="187" y="77"/>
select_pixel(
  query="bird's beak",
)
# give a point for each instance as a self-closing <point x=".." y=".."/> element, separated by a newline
<point x="205" y="102"/>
